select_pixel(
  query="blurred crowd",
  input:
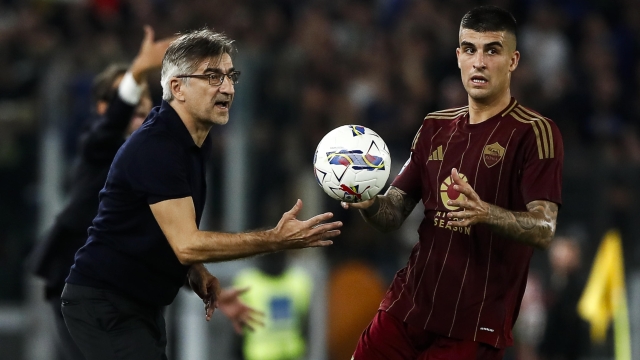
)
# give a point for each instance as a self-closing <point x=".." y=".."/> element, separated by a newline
<point x="318" y="64"/>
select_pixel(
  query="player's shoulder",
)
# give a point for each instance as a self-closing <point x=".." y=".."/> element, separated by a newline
<point x="447" y="114"/>
<point x="529" y="117"/>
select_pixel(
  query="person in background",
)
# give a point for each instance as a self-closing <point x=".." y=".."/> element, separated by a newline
<point x="566" y="335"/>
<point x="283" y="294"/>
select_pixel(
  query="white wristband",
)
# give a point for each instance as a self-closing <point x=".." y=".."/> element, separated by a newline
<point x="129" y="90"/>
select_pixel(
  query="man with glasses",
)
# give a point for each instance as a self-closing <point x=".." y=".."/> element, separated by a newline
<point x="145" y="240"/>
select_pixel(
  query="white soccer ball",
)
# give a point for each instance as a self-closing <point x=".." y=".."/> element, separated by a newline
<point x="352" y="163"/>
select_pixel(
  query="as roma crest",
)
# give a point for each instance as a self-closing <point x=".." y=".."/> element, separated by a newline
<point x="492" y="154"/>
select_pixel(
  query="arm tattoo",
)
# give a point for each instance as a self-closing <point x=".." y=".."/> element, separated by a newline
<point x="534" y="227"/>
<point x="390" y="210"/>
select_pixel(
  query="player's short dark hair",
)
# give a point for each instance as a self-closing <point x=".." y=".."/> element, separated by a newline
<point x="489" y="18"/>
<point x="186" y="52"/>
<point x="102" y="88"/>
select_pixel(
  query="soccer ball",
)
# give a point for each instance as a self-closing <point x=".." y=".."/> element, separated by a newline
<point x="352" y="163"/>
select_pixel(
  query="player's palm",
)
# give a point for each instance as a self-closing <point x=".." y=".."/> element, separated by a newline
<point x="295" y="234"/>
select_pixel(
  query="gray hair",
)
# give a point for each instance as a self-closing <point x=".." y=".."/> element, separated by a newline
<point x="186" y="52"/>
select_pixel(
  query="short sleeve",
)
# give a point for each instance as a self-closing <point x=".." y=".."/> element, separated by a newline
<point x="543" y="161"/>
<point x="158" y="169"/>
<point x="408" y="179"/>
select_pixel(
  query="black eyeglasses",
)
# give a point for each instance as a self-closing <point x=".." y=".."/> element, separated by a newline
<point x="215" y="79"/>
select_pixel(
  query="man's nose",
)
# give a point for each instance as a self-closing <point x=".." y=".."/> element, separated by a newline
<point x="227" y="86"/>
<point x="478" y="61"/>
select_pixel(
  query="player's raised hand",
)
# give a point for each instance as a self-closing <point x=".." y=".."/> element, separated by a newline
<point x="472" y="209"/>
<point x="150" y="54"/>
<point x="292" y="233"/>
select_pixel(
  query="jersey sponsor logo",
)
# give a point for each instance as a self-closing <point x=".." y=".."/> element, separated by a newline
<point x="437" y="154"/>
<point x="492" y="154"/>
<point x="440" y="220"/>
<point x="486" y="329"/>
<point x="447" y="192"/>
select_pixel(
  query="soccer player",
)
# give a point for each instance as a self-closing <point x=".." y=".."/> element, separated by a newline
<point x="145" y="240"/>
<point x="489" y="176"/>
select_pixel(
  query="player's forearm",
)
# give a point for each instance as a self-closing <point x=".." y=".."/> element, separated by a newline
<point x="208" y="246"/>
<point x="535" y="227"/>
<point x="388" y="212"/>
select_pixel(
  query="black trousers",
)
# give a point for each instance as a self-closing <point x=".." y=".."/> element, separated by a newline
<point x="109" y="326"/>
<point x="66" y="346"/>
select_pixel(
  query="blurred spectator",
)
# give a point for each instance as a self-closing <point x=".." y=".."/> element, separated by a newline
<point x="566" y="335"/>
<point x="530" y="326"/>
<point x="283" y="294"/>
<point x="121" y="103"/>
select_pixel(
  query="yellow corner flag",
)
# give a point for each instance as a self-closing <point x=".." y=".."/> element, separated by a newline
<point x="605" y="296"/>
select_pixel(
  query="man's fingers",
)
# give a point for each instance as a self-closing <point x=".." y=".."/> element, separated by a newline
<point x="295" y="209"/>
<point x="324" y="228"/>
<point x="357" y="205"/>
<point x="241" y="291"/>
<point x="251" y="319"/>
<point x="148" y="34"/>
<point x="318" y="219"/>
<point x="463" y="223"/>
<point x="321" y="243"/>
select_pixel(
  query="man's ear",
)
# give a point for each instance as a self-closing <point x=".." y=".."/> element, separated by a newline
<point x="515" y="59"/>
<point x="176" y="89"/>
<point x="458" y="56"/>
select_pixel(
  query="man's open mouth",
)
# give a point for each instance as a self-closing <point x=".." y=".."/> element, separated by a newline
<point x="476" y="79"/>
<point x="222" y="104"/>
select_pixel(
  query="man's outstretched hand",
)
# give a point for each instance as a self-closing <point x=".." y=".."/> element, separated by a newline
<point x="291" y="233"/>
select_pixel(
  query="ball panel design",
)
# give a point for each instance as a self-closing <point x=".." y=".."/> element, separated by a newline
<point x="352" y="163"/>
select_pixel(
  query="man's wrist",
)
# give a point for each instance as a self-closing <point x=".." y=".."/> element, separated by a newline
<point x="130" y="90"/>
<point x="139" y="71"/>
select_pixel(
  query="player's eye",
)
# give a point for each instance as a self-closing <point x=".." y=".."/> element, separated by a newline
<point x="215" y="78"/>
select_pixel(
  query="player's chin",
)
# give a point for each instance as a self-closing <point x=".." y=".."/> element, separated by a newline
<point x="479" y="93"/>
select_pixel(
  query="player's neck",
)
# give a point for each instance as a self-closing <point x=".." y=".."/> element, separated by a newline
<point x="480" y="111"/>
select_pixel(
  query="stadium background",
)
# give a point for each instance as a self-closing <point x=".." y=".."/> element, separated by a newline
<point x="309" y="66"/>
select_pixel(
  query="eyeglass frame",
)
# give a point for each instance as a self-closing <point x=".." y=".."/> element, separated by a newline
<point x="211" y="76"/>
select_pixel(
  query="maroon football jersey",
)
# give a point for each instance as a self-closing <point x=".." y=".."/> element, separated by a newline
<point x="467" y="282"/>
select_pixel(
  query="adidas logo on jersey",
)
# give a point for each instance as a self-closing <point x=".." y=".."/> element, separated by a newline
<point x="437" y="154"/>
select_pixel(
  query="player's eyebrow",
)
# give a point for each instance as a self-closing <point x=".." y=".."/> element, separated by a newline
<point x="494" y="43"/>
<point x="217" y="70"/>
